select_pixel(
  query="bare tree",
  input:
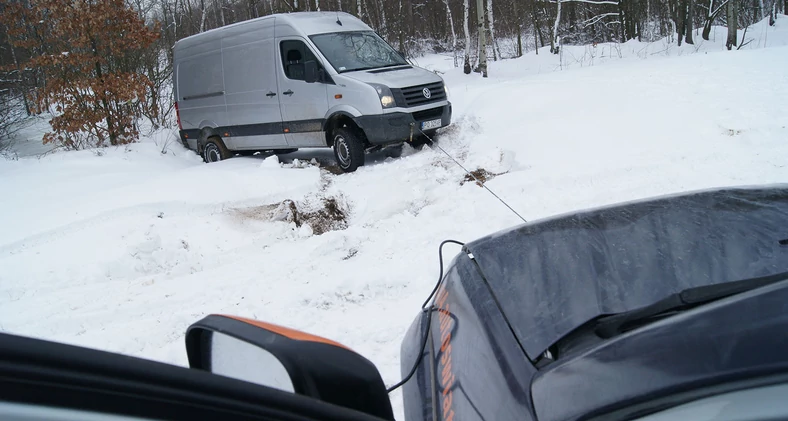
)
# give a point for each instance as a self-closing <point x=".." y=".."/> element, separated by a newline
<point x="491" y="22"/>
<point x="732" y="18"/>
<point x="554" y="41"/>
<point x="466" y="7"/>
<point x="482" y="43"/>
<point x="453" y="33"/>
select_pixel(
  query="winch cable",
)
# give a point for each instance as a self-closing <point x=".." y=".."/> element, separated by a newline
<point x="429" y="310"/>
<point x="478" y="182"/>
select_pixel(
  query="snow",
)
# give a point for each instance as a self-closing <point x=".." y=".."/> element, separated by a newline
<point x="124" y="249"/>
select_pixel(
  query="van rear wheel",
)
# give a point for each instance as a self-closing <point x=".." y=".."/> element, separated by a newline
<point x="348" y="149"/>
<point x="215" y="151"/>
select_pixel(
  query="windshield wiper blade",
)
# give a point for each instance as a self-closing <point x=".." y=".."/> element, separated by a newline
<point x="610" y="326"/>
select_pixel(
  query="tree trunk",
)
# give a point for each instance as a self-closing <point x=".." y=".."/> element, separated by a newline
<point x="401" y="33"/>
<point x="466" y="11"/>
<point x="113" y="135"/>
<point x="709" y="19"/>
<point x="689" y="22"/>
<point x="383" y="16"/>
<point x="496" y="50"/>
<point x="482" y="41"/>
<point x="453" y="33"/>
<point x="732" y="24"/>
<point x="220" y="10"/>
<point x="554" y="41"/>
<point x="681" y="20"/>
<point x="519" y="26"/>
<point x="202" y="19"/>
<point x="536" y="41"/>
<point x="21" y="74"/>
<point x="772" y="13"/>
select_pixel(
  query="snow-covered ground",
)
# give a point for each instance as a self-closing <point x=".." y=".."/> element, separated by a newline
<point x="122" y="250"/>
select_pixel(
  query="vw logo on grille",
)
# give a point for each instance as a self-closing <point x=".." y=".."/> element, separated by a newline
<point x="427" y="93"/>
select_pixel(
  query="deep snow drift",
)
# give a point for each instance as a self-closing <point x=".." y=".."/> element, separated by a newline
<point x="123" y="251"/>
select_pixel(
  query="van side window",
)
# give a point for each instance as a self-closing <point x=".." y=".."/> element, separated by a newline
<point x="294" y="54"/>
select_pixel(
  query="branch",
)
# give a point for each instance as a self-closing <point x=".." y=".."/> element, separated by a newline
<point x="742" y="39"/>
<point x="596" y="19"/>
<point x="717" y="10"/>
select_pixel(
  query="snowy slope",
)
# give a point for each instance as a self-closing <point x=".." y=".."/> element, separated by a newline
<point x="123" y="251"/>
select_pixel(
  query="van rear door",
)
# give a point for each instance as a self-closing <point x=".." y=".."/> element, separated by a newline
<point x="304" y="105"/>
<point x="251" y="89"/>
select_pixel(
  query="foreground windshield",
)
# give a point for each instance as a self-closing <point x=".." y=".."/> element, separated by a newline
<point x="349" y="51"/>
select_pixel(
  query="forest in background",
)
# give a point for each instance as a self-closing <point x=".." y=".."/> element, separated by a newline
<point x="104" y="67"/>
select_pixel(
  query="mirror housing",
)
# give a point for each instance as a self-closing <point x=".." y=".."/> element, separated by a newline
<point x="310" y="72"/>
<point x="289" y="360"/>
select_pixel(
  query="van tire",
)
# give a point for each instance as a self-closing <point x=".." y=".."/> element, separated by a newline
<point x="348" y="149"/>
<point x="215" y="151"/>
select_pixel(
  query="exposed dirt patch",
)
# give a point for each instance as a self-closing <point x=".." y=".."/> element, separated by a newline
<point x="330" y="214"/>
<point x="479" y="176"/>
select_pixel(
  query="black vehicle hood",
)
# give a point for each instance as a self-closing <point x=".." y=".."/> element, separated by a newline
<point x="554" y="275"/>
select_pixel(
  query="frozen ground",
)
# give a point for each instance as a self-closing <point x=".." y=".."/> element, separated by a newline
<point x="124" y="250"/>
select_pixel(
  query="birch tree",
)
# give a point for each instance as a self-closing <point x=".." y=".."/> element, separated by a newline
<point x="466" y="7"/>
<point x="491" y="22"/>
<point x="554" y="41"/>
<point x="482" y="43"/>
<point x="453" y="33"/>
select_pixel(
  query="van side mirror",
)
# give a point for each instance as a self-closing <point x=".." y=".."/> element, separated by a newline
<point x="287" y="360"/>
<point x="310" y="71"/>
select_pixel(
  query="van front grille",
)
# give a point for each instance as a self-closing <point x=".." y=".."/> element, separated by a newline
<point x="414" y="95"/>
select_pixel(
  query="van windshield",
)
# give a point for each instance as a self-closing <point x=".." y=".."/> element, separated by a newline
<point x="351" y="51"/>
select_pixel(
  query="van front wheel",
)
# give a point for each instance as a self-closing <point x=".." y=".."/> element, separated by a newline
<point x="215" y="151"/>
<point x="348" y="149"/>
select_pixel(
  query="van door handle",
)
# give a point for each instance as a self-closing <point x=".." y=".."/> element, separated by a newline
<point x="270" y="94"/>
<point x="288" y="92"/>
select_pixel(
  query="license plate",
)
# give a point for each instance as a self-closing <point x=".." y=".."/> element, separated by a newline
<point x="431" y="124"/>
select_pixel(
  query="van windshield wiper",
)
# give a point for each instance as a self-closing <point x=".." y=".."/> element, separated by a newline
<point x="609" y="326"/>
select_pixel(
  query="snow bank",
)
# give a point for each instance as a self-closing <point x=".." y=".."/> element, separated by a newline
<point x="123" y="251"/>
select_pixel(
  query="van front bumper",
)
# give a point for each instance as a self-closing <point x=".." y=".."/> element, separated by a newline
<point x="398" y="126"/>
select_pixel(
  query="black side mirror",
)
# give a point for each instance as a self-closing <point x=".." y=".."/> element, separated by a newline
<point x="288" y="360"/>
<point x="310" y="72"/>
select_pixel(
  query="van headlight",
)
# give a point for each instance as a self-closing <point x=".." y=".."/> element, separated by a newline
<point x="446" y="89"/>
<point x="385" y="95"/>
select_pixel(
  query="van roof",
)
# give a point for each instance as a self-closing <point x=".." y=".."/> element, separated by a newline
<point x="309" y="23"/>
<point x="323" y="22"/>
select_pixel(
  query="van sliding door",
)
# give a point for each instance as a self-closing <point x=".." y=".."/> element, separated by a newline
<point x="252" y="92"/>
<point x="304" y="105"/>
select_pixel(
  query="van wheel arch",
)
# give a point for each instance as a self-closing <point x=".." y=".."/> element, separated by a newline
<point x="205" y="134"/>
<point x="343" y="120"/>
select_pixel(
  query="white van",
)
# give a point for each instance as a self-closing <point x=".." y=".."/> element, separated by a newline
<point x="301" y="80"/>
